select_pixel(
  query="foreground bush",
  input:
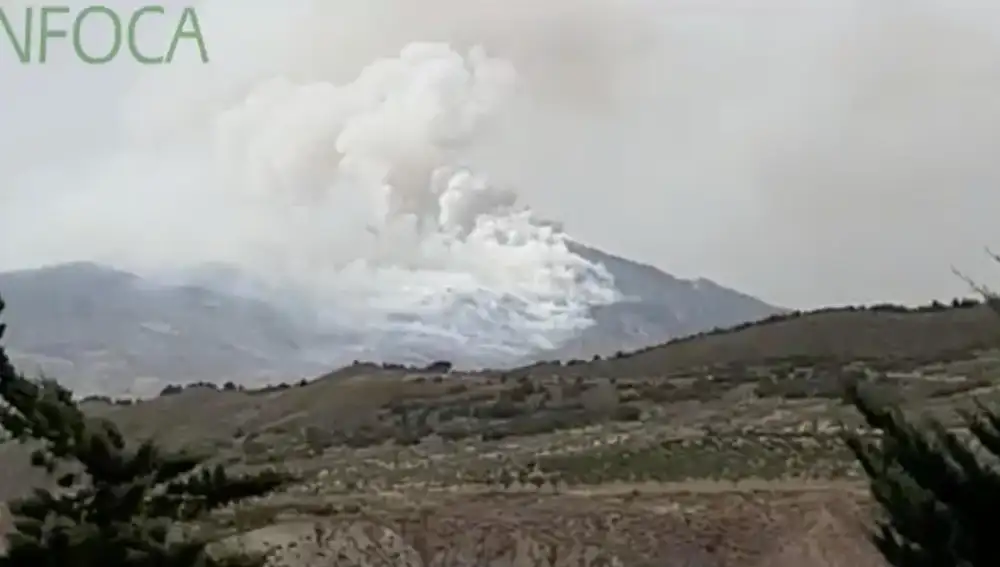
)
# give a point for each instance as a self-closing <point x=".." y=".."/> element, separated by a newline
<point x="939" y="492"/>
<point x="115" y="505"/>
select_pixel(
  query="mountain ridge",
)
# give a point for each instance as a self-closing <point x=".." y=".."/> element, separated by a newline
<point x="682" y="307"/>
<point x="108" y="331"/>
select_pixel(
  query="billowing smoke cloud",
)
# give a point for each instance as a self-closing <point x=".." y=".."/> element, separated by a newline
<point x="831" y="151"/>
<point x="349" y="182"/>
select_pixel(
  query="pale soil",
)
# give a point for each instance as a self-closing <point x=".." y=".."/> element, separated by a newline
<point x="794" y="528"/>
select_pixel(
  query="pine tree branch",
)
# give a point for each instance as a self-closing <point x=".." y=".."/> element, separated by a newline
<point x="115" y="506"/>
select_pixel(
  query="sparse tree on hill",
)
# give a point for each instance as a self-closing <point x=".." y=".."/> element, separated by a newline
<point x="114" y="505"/>
<point x="939" y="491"/>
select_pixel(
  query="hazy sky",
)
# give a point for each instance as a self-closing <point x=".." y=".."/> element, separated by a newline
<point x="810" y="153"/>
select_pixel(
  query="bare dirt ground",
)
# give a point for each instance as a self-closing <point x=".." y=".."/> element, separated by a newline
<point x="721" y="450"/>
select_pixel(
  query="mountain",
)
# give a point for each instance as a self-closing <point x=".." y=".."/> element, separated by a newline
<point x="657" y="307"/>
<point x="103" y="330"/>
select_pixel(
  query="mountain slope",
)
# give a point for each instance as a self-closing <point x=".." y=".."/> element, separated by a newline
<point x="104" y="330"/>
<point x="885" y="336"/>
<point x="657" y="307"/>
<point x="108" y="331"/>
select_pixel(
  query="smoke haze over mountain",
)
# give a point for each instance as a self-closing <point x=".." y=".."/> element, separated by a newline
<point x="810" y="153"/>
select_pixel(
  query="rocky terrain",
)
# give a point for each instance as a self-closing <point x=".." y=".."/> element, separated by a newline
<point x="108" y="331"/>
<point x="722" y="449"/>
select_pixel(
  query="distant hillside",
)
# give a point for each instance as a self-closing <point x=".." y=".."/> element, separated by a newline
<point x="837" y="335"/>
<point x="657" y="307"/>
<point x="102" y="330"/>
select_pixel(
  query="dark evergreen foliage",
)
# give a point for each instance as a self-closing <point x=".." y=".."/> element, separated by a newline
<point x="115" y="505"/>
<point x="938" y="490"/>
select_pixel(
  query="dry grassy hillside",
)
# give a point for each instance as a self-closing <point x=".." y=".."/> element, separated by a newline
<point x="721" y="449"/>
<point x="895" y="335"/>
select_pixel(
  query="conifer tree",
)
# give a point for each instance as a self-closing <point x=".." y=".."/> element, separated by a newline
<point x="114" y="505"/>
<point x="938" y="491"/>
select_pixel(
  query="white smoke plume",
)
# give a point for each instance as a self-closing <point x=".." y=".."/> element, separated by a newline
<point x="809" y="152"/>
<point x="346" y="180"/>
